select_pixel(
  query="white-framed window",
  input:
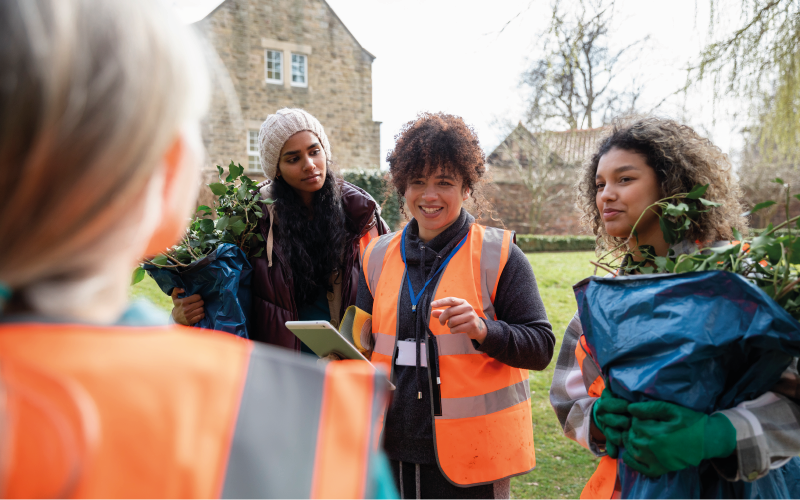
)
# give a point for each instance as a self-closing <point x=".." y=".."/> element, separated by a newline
<point x="299" y="70"/>
<point x="253" y="155"/>
<point x="274" y="66"/>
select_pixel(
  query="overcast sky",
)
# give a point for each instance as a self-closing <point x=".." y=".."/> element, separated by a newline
<point x="451" y="56"/>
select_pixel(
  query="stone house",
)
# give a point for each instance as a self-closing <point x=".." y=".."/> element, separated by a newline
<point x="270" y="54"/>
<point x="515" y="172"/>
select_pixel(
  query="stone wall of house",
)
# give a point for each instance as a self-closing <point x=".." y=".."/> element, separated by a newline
<point x="339" y="91"/>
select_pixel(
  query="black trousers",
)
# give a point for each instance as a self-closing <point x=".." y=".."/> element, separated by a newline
<point x="431" y="483"/>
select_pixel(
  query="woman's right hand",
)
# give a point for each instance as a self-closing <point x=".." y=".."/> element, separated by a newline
<point x="188" y="310"/>
<point x="610" y="416"/>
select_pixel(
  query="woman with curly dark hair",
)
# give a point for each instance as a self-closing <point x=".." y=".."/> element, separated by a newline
<point x="457" y="318"/>
<point x="641" y="161"/>
<point x="314" y="231"/>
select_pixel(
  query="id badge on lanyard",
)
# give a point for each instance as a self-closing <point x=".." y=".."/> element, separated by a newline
<point x="407" y="353"/>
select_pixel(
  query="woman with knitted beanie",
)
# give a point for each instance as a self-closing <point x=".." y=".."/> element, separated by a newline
<point x="314" y="231"/>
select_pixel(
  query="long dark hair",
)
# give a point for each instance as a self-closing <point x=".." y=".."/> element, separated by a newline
<point x="314" y="246"/>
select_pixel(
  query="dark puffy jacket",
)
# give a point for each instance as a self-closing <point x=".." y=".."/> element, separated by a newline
<point x="272" y="286"/>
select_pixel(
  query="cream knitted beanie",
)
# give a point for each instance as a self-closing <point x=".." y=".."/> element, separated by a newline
<point x="277" y="129"/>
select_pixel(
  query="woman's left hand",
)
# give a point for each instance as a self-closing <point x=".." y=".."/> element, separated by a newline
<point x="460" y="317"/>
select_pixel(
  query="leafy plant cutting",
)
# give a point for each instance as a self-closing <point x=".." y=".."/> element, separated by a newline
<point x="212" y="257"/>
<point x="770" y="260"/>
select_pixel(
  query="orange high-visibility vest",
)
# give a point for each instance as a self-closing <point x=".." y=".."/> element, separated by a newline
<point x="174" y="412"/>
<point x="604" y="478"/>
<point x="485" y="432"/>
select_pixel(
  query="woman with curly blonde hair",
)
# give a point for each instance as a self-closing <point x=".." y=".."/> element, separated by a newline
<point x="640" y="162"/>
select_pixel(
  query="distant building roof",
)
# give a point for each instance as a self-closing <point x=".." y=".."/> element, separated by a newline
<point x="572" y="147"/>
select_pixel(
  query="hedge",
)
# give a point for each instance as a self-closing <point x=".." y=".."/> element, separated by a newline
<point x="374" y="182"/>
<point x="548" y="243"/>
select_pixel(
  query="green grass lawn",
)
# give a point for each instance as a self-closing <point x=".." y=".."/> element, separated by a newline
<point x="562" y="467"/>
<point x="147" y="289"/>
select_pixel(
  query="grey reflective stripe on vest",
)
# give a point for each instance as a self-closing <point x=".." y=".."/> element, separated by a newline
<point x="491" y="253"/>
<point x="375" y="264"/>
<point x="275" y="440"/>
<point x="450" y="344"/>
<point x="485" y="404"/>
<point x="384" y="344"/>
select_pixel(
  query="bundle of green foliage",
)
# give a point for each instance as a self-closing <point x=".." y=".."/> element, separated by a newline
<point x="237" y="207"/>
<point x="771" y="260"/>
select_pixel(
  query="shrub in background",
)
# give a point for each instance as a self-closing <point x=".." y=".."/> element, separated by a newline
<point x="374" y="182"/>
<point x="554" y="243"/>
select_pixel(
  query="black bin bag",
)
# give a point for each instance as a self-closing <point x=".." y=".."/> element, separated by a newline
<point x="703" y="340"/>
<point x="222" y="278"/>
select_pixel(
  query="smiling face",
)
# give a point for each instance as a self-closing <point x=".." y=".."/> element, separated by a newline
<point x="435" y="202"/>
<point x="302" y="164"/>
<point x="626" y="186"/>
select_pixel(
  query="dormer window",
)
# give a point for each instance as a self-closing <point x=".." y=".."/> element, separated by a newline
<point x="299" y="70"/>
<point x="274" y="66"/>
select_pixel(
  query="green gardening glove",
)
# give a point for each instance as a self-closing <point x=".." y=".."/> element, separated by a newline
<point x="610" y="415"/>
<point x="665" y="437"/>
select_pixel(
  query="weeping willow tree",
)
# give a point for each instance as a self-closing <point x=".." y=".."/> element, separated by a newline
<point x="760" y="61"/>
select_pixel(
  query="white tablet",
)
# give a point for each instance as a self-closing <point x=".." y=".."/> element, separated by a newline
<point x="322" y="338"/>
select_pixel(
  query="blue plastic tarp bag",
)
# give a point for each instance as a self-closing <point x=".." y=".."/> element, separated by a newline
<point x="703" y="340"/>
<point x="222" y="278"/>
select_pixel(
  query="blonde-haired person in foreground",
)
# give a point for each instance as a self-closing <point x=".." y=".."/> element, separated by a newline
<point x="99" y="153"/>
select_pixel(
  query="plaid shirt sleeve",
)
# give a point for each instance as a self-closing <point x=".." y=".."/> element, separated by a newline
<point x="767" y="430"/>
<point x="568" y="392"/>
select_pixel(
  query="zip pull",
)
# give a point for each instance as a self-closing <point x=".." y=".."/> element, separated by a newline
<point x="438" y="381"/>
<point x="419" y="395"/>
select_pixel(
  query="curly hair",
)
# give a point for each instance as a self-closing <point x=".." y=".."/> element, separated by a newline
<point x="314" y="247"/>
<point x="433" y="141"/>
<point x="681" y="159"/>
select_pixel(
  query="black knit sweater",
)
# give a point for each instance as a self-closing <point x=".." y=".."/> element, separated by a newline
<point x="521" y="336"/>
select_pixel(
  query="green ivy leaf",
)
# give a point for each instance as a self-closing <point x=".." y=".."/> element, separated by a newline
<point x="206" y="226"/>
<point x="160" y="260"/>
<point x="697" y="192"/>
<point x="260" y="251"/>
<point x="233" y="172"/>
<point x="676" y="210"/>
<point x="710" y="203"/>
<point x="684" y="266"/>
<point x="204" y="208"/>
<point x="774" y="253"/>
<point x="669" y="234"/>
<point x="222" y="223"/>
<point x="661" y="263"/>
<point x="137" y="276"/>
<point x="736" y="234"/>
<point x="778" y="180"/>
<point x="268" y="201"/>
<point x="219" y="169"/>
<point x="218" y="188"/>
<point x="238" y="227"/>
<point x="759" y="206"/>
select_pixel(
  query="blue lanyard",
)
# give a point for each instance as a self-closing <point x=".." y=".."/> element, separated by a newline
<point x="415" y="298"/>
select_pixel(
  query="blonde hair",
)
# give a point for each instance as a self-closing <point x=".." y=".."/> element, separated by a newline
<point x="681" y="159"/>
<point x="92" y="95"/>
